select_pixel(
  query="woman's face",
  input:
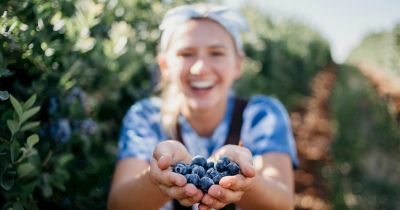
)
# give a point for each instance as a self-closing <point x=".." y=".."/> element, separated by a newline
<point x="202" y="60"/>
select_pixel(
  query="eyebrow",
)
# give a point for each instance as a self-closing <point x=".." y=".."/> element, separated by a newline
<point x="218" y="46"/>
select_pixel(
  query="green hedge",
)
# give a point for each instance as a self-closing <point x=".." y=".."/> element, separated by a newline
<point x="381" y="49"/>
<point x="365" y="171"/>
<point x="283" y="56"/>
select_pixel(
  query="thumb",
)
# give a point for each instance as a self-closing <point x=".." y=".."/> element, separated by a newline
<point x="246" y="166"/>
<point x="168" y="153"/>
<point x="164" y="162"/>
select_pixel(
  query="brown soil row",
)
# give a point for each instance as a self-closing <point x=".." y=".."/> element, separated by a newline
<point x="314" y="133"/>
<point x="386" y="84"/>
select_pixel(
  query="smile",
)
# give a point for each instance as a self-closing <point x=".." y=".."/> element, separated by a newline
<point x="202" y="84"/>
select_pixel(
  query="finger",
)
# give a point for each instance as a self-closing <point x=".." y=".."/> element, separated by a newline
<point x="186" y="202"/>
<point x="195" y="198"/>
<point x="203" y="207"/>
<point x="224" y="195"/>
<point x="174" y="192"/>
<point x="243" y="157"/>
<point x="236" y="183"/>
<point x="245" y="163"/>
<point x="240" y="155"/>
<point x="171" y="151"/>
<point x="211" y="202"/>
<point x="165" y="177"/>
<point x="164" y="162"/>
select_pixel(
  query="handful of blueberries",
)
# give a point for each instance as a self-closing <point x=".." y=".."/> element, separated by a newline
<point x="203" y="174"/>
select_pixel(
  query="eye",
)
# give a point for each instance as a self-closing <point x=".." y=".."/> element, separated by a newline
<point x="217" y="53"/>
<point x="186" y="53"/>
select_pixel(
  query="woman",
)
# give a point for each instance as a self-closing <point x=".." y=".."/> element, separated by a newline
<point x="200" y="57"/>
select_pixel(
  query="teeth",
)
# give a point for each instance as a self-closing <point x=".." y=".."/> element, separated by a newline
<point x="202" y="84"/>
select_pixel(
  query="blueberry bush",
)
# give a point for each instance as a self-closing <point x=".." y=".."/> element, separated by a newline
<point x="69" y="70"/>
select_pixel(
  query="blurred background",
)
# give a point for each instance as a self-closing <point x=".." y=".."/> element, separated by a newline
<point x="70" y="69"/>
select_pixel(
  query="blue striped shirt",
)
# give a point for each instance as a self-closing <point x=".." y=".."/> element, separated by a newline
<point x="266" y="128"/>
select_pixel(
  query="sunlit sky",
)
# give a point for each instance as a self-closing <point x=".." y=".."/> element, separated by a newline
<point x="342" y="22"/>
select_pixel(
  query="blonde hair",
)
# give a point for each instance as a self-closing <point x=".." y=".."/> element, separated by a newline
<point x="171" y="104"/>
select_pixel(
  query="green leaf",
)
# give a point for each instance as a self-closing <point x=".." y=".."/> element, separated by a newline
<point x="30" y="186"/>
<point x="17" y="106"/>
<point x="25" y="169"/>
<point x="47" y="191"/>
<point x="64" y="159"/>
<point x="29" y="103"/>
<point x="18" y="206"/>
<point x="46" y="188"/>
<point x="7" y="181"/>
<point x="4" y="95"/>
<point x="32" y="140"/>
<point x="58" y="180"/>
<point x="30" y="126"/>
<point x="26" y="115"/>
<point x="14" y="150"/>
<point x="11" y="28"/>
<point x="12" y="126"/>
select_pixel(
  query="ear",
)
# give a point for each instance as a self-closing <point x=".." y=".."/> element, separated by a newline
<point x="238" y="66"/>
<point x="162" y="63"/>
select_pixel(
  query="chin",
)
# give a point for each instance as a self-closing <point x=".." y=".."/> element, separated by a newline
<point x="202" y="105"/>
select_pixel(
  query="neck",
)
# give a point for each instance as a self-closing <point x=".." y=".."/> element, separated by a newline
<point x="205" y="121"/>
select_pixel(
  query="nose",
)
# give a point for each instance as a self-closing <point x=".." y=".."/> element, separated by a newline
<point x="199" y="67"/>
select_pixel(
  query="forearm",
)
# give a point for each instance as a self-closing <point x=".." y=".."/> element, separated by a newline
<point x="137" y="193"/>
<point x="267" y="194"/>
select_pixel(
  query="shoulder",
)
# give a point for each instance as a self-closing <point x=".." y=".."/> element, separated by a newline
<point x="147" y="105"/>
<point x="265" y="113"/>
<point x="146" y="108"/>
<point x="264" y="104"/>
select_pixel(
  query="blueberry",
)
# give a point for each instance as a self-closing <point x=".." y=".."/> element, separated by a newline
<point x="225" y="159"/>
<point x="189" y="169"/>
<point x="220" y="166"/>
<point x="205" y="184"/>
<point x="233" y="168"/>
<point x="216" y="178"/>
<point x="187" y="176"/>
<point x="225" y="173"/>
<point x="200" y="161"/>
<point x="210" y="165"/>
<point x="203" y="174"/>
<point x="193" y="179"/>
<point x="212" y="172"/>
<point x="180" y="168"/>
<point x="198" y="170"/>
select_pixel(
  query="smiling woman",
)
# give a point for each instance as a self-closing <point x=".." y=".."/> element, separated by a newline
<point x="203" y="68"/>
<point x="200" y="58"/>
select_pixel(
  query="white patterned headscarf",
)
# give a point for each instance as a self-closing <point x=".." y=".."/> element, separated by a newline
<point x="232" y="21"/>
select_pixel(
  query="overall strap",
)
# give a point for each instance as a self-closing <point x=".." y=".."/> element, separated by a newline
<point x="235" y="125"/>
<point x="233" y="137"/>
